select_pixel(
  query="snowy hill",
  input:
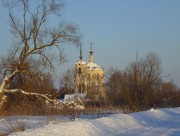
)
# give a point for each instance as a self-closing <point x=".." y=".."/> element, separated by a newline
<point x="154" y="122"/>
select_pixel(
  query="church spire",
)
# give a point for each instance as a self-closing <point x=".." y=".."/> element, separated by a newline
<point x="91" y="57"/>
<point x="80" y="57"/>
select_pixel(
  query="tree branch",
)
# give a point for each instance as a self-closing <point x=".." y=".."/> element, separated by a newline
<point x="29" y="94"/>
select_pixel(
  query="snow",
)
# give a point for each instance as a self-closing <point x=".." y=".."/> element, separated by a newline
<point x="90" y="65"/>
<point x="154" y="122"/>
<point x="93" y="66"/>
<point x="73" y="97"/>
<point x="81" y="62"/>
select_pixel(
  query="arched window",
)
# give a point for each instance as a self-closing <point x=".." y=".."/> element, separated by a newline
<point x="80" y="88"/>
<point x="79" y="71"/>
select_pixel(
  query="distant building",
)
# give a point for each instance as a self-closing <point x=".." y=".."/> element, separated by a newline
<point x="89" y="78"/>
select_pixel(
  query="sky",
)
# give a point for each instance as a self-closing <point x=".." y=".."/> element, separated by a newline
<point x="118" y="29"/>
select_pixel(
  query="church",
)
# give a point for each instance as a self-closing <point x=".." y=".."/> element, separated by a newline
<point x="89" y="78"/>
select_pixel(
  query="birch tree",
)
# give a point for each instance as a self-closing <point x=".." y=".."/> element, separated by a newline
<point x="35" y="40"/>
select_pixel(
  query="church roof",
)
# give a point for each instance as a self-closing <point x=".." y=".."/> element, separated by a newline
<point x="93" y="66"/>
<point x="81" y="62"/>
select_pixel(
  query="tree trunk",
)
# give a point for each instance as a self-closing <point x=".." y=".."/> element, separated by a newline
<point x="3" y="97"/>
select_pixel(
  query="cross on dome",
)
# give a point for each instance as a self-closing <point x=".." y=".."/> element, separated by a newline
<point x="91" y="51"/>
<point x="80" y="57"/>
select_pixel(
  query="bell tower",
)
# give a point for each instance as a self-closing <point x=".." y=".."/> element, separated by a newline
<point x="80" y="72"/>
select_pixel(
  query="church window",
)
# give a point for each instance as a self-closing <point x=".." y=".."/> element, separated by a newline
<point x="80" y="88"/>
<point x="79" y="71"/>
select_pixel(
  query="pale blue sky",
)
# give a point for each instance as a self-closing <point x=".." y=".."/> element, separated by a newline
<point x="119" y="28"/>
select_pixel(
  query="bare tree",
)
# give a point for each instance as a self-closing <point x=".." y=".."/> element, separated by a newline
<point x="34" y="40"/>
<point x="114" y="85"/>
<point x="66" y="84"/>
<point x="167" y="95"/>
<point x="142" y="76"/>
<point x="68" y="81"/>
<point x="136" y="85"/>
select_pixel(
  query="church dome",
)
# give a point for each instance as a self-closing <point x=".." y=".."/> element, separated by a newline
<point x="93" y="66"/>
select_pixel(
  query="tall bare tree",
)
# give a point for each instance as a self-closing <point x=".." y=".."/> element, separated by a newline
<point x="68" y="80"/>
<point x="66" y="84"/>
<point x="136" y="85"/>
<point x="35" y="40"/>
<point x="114" y="85"/>
<point x="142" y="75"/>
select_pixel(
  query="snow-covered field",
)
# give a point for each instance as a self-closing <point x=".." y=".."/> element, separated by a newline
<point x="154" y="122"/>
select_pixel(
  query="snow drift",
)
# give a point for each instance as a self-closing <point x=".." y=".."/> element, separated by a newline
<point x="153" y="122"/>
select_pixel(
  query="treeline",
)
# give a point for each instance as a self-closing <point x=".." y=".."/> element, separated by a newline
<point x="140" y="86"/>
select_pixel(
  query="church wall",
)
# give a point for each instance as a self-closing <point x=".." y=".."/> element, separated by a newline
<point x="89" y="79"/>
